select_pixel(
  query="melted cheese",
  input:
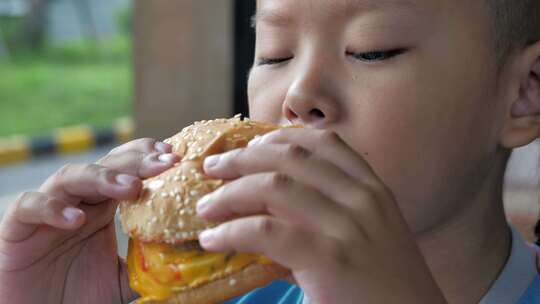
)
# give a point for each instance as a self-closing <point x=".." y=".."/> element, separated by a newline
<point x="156" y="271"/>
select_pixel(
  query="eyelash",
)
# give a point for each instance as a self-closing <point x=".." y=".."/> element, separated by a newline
<point x="366" y="57"/>
<point x="273" y="61"/>
<point x="377" y="55"/>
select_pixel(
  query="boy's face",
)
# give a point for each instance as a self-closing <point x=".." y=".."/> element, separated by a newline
<point x="409" y="84"/>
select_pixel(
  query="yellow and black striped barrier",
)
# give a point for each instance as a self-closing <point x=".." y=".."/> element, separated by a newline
<point x="64" y="141"/>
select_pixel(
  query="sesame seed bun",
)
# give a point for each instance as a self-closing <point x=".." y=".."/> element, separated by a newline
<point x="165" y="210"/>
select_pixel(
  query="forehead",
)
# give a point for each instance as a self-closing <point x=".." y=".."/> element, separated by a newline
<point x="280" y="10"/>
<point x="462" y="16"/>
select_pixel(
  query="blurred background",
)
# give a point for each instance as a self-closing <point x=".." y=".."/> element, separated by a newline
<point x="63" y="63"/>
<point x="78" y="77"/>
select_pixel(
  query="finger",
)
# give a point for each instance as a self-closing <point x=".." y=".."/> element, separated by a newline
<point x="288" y="245"/>
<point x="144" y="158"/>
<point x="291" y="160"/>
<point x="140" y="164"/>
<point x="91" y="183"/>
<point x="32" y="209"/>
<point x="143" y="145"/>
<point x="284" y="198"/>
<point x="326" y="144"/>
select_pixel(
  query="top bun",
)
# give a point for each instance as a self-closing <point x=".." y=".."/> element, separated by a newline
<point x="165" y="210"/>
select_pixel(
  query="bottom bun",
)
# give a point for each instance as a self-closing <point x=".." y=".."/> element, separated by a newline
<point x="235" y="285"/>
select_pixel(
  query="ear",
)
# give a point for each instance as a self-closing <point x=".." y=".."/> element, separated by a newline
<point x="523" y="122"/>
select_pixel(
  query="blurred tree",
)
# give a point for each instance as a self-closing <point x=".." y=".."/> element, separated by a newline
<point x="86" y="20"/>
<point x="36" y="24"/>
<point x="4" y="52"/>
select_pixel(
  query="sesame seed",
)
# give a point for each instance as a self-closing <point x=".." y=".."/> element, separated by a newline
<point x="176" y="178"/>
<point x="183" y="178"/>
<point x="149" y="203"/>
<point x="182" y="212"/>
<point x="193" y="171"/>
<point x="156" y="184"/>
<point x="164" y="194"/>
<point x="194" y="193"/>
<point x="181" y="224"/>
<point x="178" y="199"/>
<point x="153" y="220"/>
<point x="232" y="282"/>
<point x="199" y="150"/>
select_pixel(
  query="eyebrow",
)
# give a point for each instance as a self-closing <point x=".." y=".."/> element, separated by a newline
<point x="280" y="17"/>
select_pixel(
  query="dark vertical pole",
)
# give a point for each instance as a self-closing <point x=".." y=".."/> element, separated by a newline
<point x="244" y="49"/>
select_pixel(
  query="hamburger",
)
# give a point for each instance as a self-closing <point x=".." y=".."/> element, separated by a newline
<point x="166" y="264"/>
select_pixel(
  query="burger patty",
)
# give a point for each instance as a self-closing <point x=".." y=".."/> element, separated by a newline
<point x="196" y="246"/>
<point x="189" y="246"/>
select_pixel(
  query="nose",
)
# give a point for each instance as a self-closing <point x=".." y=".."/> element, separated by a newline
<point x="312" y="98"/>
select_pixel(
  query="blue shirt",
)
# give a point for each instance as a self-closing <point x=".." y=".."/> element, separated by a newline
<point x="519" y="282"/>
<point x="279" y="292"/>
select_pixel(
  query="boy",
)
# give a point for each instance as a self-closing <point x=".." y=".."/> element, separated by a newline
<point x="392" y="194"/>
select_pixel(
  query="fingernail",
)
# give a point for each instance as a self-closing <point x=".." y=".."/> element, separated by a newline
<point x="162" y="147"/>
<point x="71" y="214"/>
<point x="211" y="161"/>
<point x="166" y="158"/>
<point x="125" y="180"/>
<point x="206" y="237"/>
<point x="255" y="141"/>
<point x="203" y="203"/>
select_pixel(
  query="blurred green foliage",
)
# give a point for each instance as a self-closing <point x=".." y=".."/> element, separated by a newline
<point x="124" y="20"/>
<point x="64" y="84"/>
<point x="11" y="29"/>
<point x="36" y="97"/>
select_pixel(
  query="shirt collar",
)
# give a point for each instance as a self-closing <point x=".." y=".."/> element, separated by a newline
<point x="516" y="276"/>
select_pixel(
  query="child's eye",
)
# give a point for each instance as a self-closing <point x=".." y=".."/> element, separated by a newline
<point x="377" y="55"/>
<point x="272" y="61"/>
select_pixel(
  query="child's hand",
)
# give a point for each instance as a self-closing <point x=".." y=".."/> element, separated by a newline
<point x="311" y="203"/>
<point x="58" y="245"/>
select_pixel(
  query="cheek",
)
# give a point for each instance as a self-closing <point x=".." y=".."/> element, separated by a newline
<point x="265" y="95"/>
<point x="424" y="131"/>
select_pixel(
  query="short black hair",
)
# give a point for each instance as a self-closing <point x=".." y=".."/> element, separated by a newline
<point x="516" y="24"/>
